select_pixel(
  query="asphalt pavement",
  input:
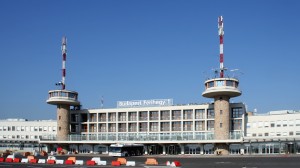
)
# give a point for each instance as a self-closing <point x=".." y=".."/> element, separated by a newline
<point x="187" y="161"/>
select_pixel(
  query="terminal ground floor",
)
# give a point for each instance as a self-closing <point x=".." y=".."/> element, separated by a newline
<point x="250" y="148"/>
<point x="246" y="148"/>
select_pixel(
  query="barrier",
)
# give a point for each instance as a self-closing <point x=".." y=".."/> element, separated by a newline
<point x="51" y="158"/>
<point x="1" y="159"/>
<point x="130" y="163"/>
<point x="96" y="159"/>
<point x="51" y="161"/>
<point x="72" y="158"/>
<point x="90" y="163"/>
<point x="79" y="162"/>
<point x="115" y="163"/>
<point x="30" y="157"/>
<point x="151" y="161"/>
<point x="168" y="163"/>
<point x="9" y="160"/>
<point x="176" y="164"/>
<point x="59" y="161"/>
<point x="24" y="160"/>
<point x="69" y="162"/>
<point x="10" y="156"/>
<point x="33" y="161"/>
<point x="17" y="160"/>
<point x="42" y="161"/>
<point x="122" y="161"/>
<point x="102" y="162"/>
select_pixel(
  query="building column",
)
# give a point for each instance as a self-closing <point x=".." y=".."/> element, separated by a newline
<point x="164" y="149"/>
<point x="201" y="149"/>
<point x="182" y="149"/>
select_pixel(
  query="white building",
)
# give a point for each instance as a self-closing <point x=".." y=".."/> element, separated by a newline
<point x="274" y="132"/>
<point x="21" y="134"/>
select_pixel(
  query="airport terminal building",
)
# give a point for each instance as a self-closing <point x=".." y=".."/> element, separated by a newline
<point x="221" y="127"/>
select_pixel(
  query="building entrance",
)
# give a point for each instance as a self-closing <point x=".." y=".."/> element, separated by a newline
<point x="290" y="148"/>
<point x="155" y="149"/>
<point x="269" y="149"/>
<point x="172" y="150"/>
<point x="192" y="149"/>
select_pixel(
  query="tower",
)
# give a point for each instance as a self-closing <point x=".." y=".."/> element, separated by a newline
<point x="63" y="99"/>
<point x="221" y="89"/>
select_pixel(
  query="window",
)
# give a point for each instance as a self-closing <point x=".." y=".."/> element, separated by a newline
<point x="221" y="124"/>
<point x="59" y="117"/>
<point x="102" y="117"/>
<point x="278" y="123"/>
<point x="272" y="124"/>
<point x="254" y="134"/>
<point x="154" y="126"/>
<point x="210" y="125"/>
<point x="291" y="133"/>
<point x="165" y="115"/>
<point x="199" y="113"/>
<point x="187" y="114"/>
<point x="132" y="116"/>
<point x="210" y="84"/>
<point x="176" y="126"/>
<point x="111" y="127"/>
<point x="297" y="123"/>
<point x="284" y="123"/>
<point x="266" y="134"/>
<point x="187" y="126"/>
<point x="210" y="113"/>
<point x="266" y="124"/>
<point x="176" y="114"/>
<point x="199" y="126"/>
<point x="122" y="116"/>
<point x="143" y="115"/>
<point x="237" y="112"/>
<point x="143" y="127"/>
<point x="297" y="132"/>
<point x="59" y="128"/>
<point x="221" y="112"/>
<point x="165" y="126"/>
<point x="122" y="127"/>
<point x="13" y="128"/>
<point x="153" y="115"/>
<point x="278" y="133"/>
<point x="40" y="128"/>
<point x="132" y="127"/>
<point x="111" y="116"/>
<point x="236" y="124"/>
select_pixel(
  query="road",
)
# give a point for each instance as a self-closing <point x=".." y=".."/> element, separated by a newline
<point x="276" y="161"/>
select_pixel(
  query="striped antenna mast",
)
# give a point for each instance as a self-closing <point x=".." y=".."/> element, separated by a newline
<point x="64" y="55"/>
<point x="221" y="34"/>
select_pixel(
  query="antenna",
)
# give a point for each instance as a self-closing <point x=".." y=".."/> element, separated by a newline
<point x="64" y="55"/>
<point x="221" y="34"/>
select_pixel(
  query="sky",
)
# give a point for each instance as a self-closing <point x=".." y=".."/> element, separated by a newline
<point x="146" y="49"/>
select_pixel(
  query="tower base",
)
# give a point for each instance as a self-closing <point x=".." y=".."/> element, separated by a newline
<point x="221" y="149"/>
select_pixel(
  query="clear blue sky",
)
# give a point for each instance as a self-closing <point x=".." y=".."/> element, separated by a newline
<point x="146" y="49"/>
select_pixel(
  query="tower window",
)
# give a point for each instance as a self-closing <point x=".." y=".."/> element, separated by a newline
<point x="221" y="124"/>
<point x="59" y="117"/>
<point x="221" y="112"/>
<point x="59" y="128"/>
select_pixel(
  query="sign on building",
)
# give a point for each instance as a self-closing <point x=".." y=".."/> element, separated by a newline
<point x="145" y="103"/>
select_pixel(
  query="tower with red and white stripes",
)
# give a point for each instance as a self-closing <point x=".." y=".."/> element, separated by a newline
<point x="64" y="55"/>
<point x="221" y="34"/>
<point x="63" y="99"/>
<point x="221" y="89"/>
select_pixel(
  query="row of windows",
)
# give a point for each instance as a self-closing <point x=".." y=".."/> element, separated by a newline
<point x="273" y="134"/>
<point x="19" y="136"/>
<point x="153" y="115"/>
<point x="272" y="124"/>
<point x="154" y="126"/>
<point x="29" y="128"/>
